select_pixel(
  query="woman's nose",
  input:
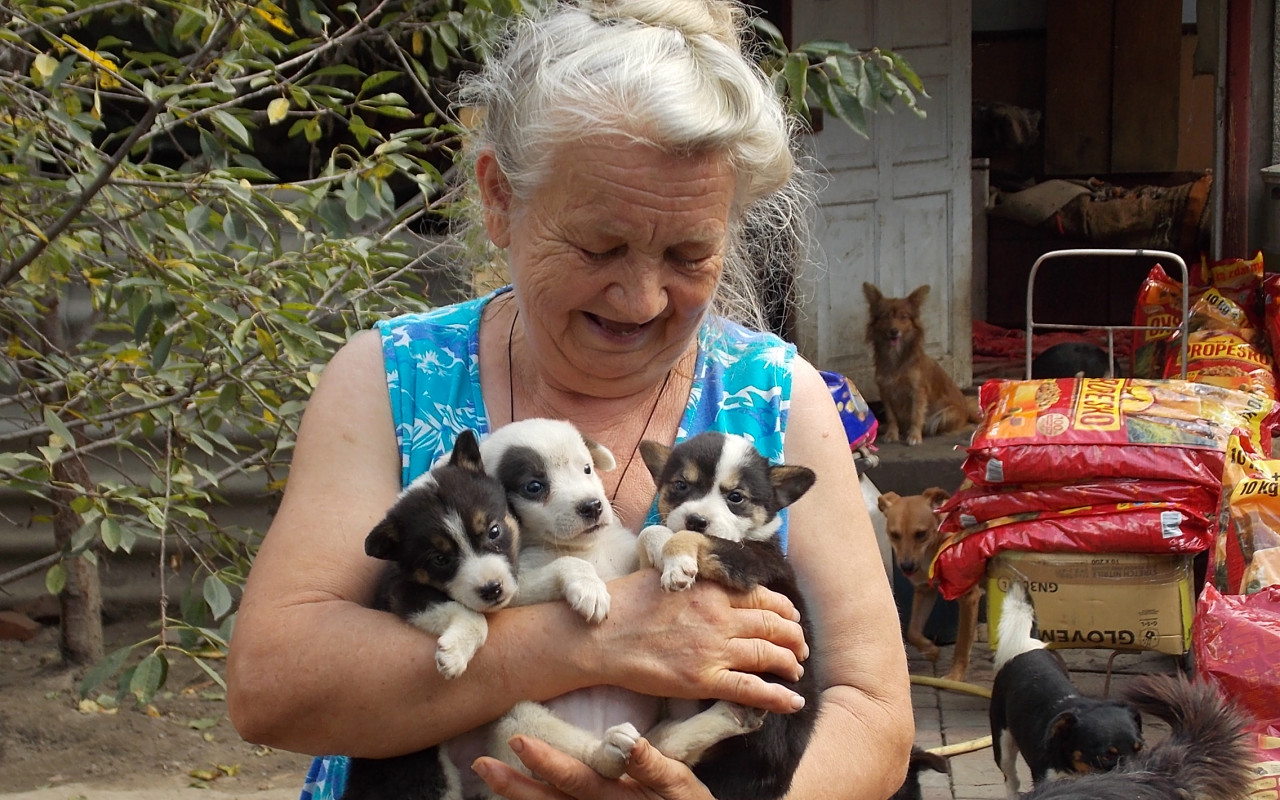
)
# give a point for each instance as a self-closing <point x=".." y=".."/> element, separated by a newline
<point x="638" y="293"/>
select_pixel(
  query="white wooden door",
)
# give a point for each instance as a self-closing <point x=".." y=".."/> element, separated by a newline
<point x="896" y="208"/>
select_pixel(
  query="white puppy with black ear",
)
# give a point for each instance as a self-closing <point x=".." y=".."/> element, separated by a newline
<point x="571" y="544"/>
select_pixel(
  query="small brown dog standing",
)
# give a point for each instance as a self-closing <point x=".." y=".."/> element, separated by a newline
<point x="912" y="526"/>
<point x="919" y="397"/>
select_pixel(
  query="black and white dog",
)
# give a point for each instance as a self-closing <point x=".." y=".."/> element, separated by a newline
<point x="719" y="499"/>
<point x="1036" y="709"/>
<point x="451" y="541"/>
<point x="1208" y="755"/>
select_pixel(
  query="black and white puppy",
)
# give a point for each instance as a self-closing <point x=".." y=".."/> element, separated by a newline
<point x="1208" y="755"/>
<point x="1037" y="710"/>
<point x="571" y="544"/>
<point x="451" y="541"/>
<point x="719" y="499"/>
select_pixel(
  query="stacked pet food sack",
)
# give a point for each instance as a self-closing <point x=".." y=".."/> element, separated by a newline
<point x="1093" y="465"/>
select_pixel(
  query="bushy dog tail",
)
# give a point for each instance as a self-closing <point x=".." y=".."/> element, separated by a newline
<point x="1208" y="752"/>
<point x="1014" y="631"/>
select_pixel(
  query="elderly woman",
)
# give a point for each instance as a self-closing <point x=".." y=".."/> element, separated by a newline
<point x="625" y="147"/>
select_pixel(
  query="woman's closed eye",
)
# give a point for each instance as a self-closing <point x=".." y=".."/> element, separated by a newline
<point x="601" y="256"/>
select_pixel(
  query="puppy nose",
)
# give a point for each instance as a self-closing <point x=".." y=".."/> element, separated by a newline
<point x="491" y="592"/>
<point x="907" y="567"/>
<point x="696" y="523"/>
<point x="590" y="510"/>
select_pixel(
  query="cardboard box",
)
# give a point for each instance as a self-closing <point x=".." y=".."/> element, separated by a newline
<point x="1104" y="601"/>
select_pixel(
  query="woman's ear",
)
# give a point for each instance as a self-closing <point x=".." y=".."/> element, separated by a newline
<point x="495" y="196"/>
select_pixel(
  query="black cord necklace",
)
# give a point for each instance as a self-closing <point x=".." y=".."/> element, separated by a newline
<point x="644" y="432"/>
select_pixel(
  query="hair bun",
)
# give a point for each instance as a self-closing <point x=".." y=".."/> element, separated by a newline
<point x="719" y="19"/>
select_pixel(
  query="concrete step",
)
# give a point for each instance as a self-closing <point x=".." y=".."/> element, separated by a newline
<point x="910" y="470"/>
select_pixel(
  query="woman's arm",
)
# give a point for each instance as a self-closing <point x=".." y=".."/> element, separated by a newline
<point x="312" y="669"/>
<point x="857" y="641"/>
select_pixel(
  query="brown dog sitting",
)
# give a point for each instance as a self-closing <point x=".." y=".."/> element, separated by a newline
<point x="912" y="526"/>
<point x="920" y="398"/>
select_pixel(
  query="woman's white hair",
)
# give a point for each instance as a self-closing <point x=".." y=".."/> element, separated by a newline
<point x="670" y="73"/>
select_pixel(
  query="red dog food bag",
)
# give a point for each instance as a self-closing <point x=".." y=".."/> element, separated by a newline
<point x="1223" y="348"/>
<point x="1246" y="553"/>
<point x="1159" y="306"/>
<point x="973" y="503"/>
<point x="1239" y="279"/>
<point x="1085" y="429"/>
<point x="1115" y="528"/>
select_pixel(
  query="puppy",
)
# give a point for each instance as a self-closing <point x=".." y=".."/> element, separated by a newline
<point x="451" y="541"/>
<point x="920" y="399"/>
<point x="571" y="544"/>
<point x="1208" y="754"/>
<point x="1072" y="360"/>
<point x="921" y="760"/>
<point x="1036" y="710"/>
<point x="912" y="528"/>
<point x="723" y="498"/>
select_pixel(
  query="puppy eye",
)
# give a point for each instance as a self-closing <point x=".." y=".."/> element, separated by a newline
<point x="679" y="485"/>
<point x="495" y="531"/>
<point x="440" y="560"/>
<point x="586" y="470"/>
<point x="533" y="487"/>
<point x="736" y="497"/>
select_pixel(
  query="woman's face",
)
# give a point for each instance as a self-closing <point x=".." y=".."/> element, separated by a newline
<point x="615" y="258"/>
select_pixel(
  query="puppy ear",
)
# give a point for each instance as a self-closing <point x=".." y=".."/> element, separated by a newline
<point x="790" y="482"/>
<point x="887" y="500"/>
<point x="1137" y="726"/>
<point x="1060" y="727"/>
<point x="466" y="452"/>
<point x="600" y="455"/>
<point x="872" y="294"/>
<point x="655" y="455"/>
<point x="935" y="496"/>
<point x="383" y="541"/>
<point x="916" y="298"/>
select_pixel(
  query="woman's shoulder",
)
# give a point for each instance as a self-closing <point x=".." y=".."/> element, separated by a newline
<point x="731" y="344"/>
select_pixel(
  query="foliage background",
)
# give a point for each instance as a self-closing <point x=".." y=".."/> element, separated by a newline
<point x="199" y="201"/>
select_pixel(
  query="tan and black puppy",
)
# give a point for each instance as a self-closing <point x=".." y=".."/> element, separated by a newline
<point x="911" y="523"/>
<point x="719" y="499"/>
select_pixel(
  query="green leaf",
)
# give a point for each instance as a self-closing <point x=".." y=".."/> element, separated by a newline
<point x="112" y="533"/>
<point x="149" y="676"/>
<point x="796" y="71"/>
<point x="104" y="669"/>
<point x="217" y="595"/>
<point x="55" y="580"/>
<point x="57" y="426"/>
<point x="160" y="353"/>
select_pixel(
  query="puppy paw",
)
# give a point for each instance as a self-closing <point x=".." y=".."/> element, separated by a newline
<point x="615" y="750"/>
<point x="748" y="718"/>
<point x="914" y="439"/>
<point x="679" y="572"/>
<point x="889" y="434"/>
<point x="930" y="651"/>
<point x="588" y="596"/>
<point x="452" y="657"/>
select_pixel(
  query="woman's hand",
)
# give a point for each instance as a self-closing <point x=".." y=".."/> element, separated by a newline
<point x="702" y="643"/>
<point x="650" y="774"/>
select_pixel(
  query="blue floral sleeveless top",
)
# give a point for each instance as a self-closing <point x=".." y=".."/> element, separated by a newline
<point x="741" y="385"/>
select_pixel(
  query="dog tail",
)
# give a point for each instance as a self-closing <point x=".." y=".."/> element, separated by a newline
<point x="1208" y="751"/>
<point x="1014" y="631"/>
